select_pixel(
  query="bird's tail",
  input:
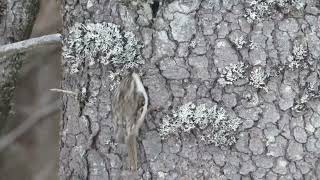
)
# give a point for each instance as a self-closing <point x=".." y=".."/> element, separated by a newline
<point x="132" y="152"/>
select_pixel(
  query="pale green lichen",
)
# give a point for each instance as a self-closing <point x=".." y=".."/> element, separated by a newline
<point x="309" y="92"/>
<point x="240" y="42"/>
<point x="211" y="125"/>
<point x="258" y="78"/>
<point x="136" y="2"/>
<point x="232" y="73"/>
<point x="299" y="53"/>
<point x="252" y="45"/>
<point x="258" y="10"/>
<point x="103" y="43"/>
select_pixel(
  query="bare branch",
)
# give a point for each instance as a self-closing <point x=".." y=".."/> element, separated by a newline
<point x="8" y="139"/>
<point x="29" y="44"/>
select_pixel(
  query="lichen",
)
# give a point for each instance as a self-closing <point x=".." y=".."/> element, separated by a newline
<point x="100" y="43"/>
<point x="211" y="125"/>
<point x="104" y="43"/>
<point x="258" y="78"/>
<point x="232" y="73"/>
<point x="309" y="92"/>
<point x="299" y="53"/>
<point x="300" y="103"/>
<point x="240" y="42"/>
<point x="252" y="45"/>
<point x="258" y="10"/>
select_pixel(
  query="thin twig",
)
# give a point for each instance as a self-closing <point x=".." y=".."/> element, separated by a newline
<point x="39" y="115"/>
<point x="29" y="44"/>
<point x="63" y="91"/>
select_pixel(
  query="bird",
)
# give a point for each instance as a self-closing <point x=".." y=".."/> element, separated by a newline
<point x="129" y="108"/>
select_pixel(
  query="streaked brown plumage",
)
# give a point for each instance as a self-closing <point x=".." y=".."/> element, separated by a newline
<point x="129" y="107"/>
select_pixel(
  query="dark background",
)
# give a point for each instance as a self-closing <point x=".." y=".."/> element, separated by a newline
<point x="35" y="154"/>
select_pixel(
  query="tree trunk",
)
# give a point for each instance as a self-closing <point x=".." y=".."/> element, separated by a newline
<point x="185" y="47"/>
<point x="16" y="21"/>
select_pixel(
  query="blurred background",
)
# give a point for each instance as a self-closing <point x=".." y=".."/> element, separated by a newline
<point x="35" y="154"/>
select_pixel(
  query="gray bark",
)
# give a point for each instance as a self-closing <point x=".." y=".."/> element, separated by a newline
<point x="185" y="46"/>
<point x="16" y="21"/>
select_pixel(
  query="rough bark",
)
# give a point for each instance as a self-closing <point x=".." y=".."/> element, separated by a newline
<point x="16" y="21"/>
<point x="185" y="45"/>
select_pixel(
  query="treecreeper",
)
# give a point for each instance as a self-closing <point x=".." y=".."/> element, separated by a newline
<point x="129" y="108"/>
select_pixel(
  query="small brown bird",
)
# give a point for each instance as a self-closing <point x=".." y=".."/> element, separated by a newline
<point x="129" y="108"/>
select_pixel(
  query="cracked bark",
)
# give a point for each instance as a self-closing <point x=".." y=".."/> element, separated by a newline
<point x="16" y="21"/>
<point x="185" y="45"/>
